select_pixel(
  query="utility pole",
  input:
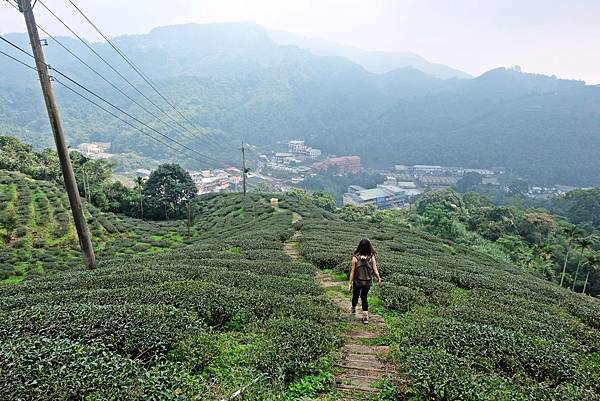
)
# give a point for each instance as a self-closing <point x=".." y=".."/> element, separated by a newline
<point x="83" y="233"/>
<point x="244" y="170"/>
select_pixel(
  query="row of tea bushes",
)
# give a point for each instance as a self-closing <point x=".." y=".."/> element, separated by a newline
<point x="463" y="326"/>
<point x="198" y="322"/>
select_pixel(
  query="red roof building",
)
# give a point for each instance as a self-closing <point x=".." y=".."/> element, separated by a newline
<point x="344" y="164"/>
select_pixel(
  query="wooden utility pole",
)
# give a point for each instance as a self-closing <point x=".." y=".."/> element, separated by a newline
<point x="244" y="171"/>
<point x="65" y="162"/>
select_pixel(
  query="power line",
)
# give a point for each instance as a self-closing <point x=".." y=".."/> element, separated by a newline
<point x="134" y="67"/>
<point x="207" y="139"/>
<point x="106" y="79"/>
<point x="129" y="115"/>
<point x="18" y="61"/>
<point x="113" y="114"/>
<point x="86" y="44"/>
<point x="91" y="101"/>
<point x="208" y="158"/>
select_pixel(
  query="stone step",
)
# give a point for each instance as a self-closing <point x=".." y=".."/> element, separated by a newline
<point x="360" y="357"/>
<point x="366" y="349"/>
<point x="355" y="389"/>
<point x="371" y="363"/>
<point x="363" y="370"/>
<point x="356" y="380"/>
<point x="360" y="334"/>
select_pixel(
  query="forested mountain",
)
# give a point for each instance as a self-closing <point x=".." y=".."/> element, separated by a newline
<point x="374" y="61"/>
<point x="232" y="80"/>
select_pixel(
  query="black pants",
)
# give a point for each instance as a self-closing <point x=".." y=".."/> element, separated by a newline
<point x="362" y="292"/>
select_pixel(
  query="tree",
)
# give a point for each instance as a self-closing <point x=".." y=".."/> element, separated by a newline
<point x="167" y="192"/>
<point x="324" y="201"/>
<point x="592" y="262"/>
<point x="584" y="244"/>
<point x="469" y="182"/>
<point x="474" y="200"/>
<point x="139" y="186"/>
<point x="571" y="233"/>
<point x="537" y="226"/>
<point x="518" y="187"/>
<point x="445" y="199"/>
<point x="491" y="221"/>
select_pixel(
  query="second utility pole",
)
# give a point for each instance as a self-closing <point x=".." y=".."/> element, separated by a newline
<point x="83" y="233"/>
<point x="243" y="168"/>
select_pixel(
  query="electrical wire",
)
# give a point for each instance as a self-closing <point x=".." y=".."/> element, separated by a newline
<point x="202" y="140"/>
<point x="208" y="158"/>
<point x="87" y="45"/>
<point x="18" y="61"/>
<point x="133" y="66"/>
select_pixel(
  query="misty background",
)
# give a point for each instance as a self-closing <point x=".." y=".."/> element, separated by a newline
<point x="552" y="37"/>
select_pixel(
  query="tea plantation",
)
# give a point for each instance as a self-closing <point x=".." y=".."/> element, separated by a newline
<point x="231" y="310"/>
<point x="197" y="323"/>
<point x="37" y="234"/>
<point x="463" y="326"/>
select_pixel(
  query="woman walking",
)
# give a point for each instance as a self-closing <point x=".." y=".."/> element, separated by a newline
<point x="361" y="276"/>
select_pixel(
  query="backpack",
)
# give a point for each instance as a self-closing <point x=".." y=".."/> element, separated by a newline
<point x="363" y="274"/>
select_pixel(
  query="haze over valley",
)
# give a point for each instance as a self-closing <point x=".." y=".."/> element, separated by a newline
<point x="234" y="81"/>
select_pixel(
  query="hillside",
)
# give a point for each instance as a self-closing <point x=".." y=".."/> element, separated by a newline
<point x="234" y="81"/>
<point x="374" y="61"/>
<point x="232" y="309"/>
<point x="462" y="326"/>
<point x="193" y="324"/>
<point x="38" y="236"/>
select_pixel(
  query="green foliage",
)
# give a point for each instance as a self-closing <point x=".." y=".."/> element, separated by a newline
<point x="468" y="182"/>
<point x="463" y="325"/>
<point x="310" y="385"/>
<point x="324" y="201"/>
<point x="38" y="234"/>
<point x="581" y="207"/>
<point x="18" y="156"/>
<point x="201" y="320"/>
<point x="167" y="192"/>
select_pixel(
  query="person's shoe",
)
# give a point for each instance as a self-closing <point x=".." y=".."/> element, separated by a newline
<point x="353" y="310"/>
<point x="365" y="318"/>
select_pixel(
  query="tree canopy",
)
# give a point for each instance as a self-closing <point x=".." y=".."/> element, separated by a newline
<point x="167" y="192"/>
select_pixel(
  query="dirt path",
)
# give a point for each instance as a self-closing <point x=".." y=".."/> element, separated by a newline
<point x="358" y="363"/>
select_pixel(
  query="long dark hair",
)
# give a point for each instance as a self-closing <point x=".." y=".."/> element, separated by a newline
<point x="365" y="248"/>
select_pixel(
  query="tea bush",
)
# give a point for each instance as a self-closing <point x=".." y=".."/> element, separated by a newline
<point x="154" y="324"/>
<point x="465" y="326"/>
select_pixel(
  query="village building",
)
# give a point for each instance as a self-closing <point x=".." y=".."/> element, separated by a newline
<point x="344" y="164"/>
<point x="382" y="197"/>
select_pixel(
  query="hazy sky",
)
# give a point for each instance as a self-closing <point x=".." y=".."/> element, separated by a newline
<point x="559" y="37"/>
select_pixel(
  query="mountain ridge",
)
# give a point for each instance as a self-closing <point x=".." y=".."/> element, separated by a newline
<point x="248" y="86"/>
<point x="379" y="62"/>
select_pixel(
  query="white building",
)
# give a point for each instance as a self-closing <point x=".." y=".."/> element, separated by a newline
<point x="142" y="172"/>
<point x="314" y="153"/>
<point x="296" y="147"/>
<point x="284" y="158"/>
<point x="382" y="197"/>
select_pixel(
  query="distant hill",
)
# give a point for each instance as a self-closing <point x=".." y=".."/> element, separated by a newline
<point x="232" y="80"/>
<point x="373" y="61"/>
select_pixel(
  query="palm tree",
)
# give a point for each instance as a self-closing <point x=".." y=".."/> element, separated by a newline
<point x="571" y="233"/>
<point x="593" y="262"/>
<point x="584" y="244"/>
<point x="139" y="184"/>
